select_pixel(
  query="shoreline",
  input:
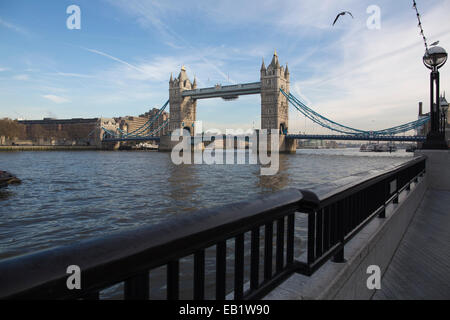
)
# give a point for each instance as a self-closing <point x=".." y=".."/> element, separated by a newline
<point x="63" y="148"/>
<point x="49" y="148"/>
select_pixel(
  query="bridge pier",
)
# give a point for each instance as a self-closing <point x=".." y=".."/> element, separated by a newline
<point x="166" y="144"/>
<point x="109" y="145"/>
<point x="285" y="144"/>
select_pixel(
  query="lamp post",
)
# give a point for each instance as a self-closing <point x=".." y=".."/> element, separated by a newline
<point x="435" y="58"/>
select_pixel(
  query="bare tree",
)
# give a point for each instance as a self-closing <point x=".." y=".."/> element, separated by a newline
<point x="12" y="129"/>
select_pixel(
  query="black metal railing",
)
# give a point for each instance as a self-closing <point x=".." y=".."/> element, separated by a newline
<point x="340" y="215"/>
<point x="130" y="256"/>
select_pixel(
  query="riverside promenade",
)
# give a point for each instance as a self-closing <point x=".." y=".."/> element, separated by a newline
<point x="411" y="247"/>
<point x="420" y="268"/>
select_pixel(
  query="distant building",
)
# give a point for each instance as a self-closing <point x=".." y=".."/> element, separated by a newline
<point x="425" y="129"/>
<point x="90" y="131"/>
<point x="75" y="131"/>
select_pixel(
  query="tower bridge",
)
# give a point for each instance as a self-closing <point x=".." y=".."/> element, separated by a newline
<point x="274" y="89"/>
<point x="183" y="96"/>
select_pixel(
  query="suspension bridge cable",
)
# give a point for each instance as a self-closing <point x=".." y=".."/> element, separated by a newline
<point x="150" y="134"/>
<point x="317" y="118"/>
<point x="325" y="122"/>
<point x="147" y="124"/>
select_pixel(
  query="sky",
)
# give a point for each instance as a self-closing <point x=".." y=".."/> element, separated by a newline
<point x="119" y="62"/>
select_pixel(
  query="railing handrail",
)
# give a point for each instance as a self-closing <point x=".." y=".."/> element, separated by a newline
<point x="351" y="188"/>
<point x="341" y="214"/>
<point x="116" y="254"/>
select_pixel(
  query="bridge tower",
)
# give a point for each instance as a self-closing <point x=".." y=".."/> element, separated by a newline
<point x="182" y="109"/>
<point x="274" y="105"/>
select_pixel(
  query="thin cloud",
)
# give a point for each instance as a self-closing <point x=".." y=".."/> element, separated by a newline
<point x="74" y="75"/>
<point x="146" y="13"/>
<point x="22" y="77"/>
<point x="113" y="58"/>
<point x="55" y="99"/>
<point x="13" y="27"/>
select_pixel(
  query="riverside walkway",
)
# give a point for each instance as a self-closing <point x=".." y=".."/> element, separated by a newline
<point x="420" y="267"/>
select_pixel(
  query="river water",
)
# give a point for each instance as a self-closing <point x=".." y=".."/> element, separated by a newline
<point x="70" y="196"/>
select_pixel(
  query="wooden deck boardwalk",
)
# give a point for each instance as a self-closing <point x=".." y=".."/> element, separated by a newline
<point x="420" y="268"/>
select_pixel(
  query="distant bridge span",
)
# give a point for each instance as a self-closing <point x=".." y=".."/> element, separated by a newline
<point x="123" y="139"/>
<point x="306" y="137"/>
<point x="355" y="137"/>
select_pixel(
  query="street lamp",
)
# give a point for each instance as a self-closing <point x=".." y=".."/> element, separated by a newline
<point x="435" y="58"/>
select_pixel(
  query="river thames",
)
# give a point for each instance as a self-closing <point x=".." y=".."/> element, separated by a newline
<point x="69" y="196"/>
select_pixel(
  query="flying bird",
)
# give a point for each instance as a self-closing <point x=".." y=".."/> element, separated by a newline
<point x="341" y="14"/>
<point x="435" y="43"/>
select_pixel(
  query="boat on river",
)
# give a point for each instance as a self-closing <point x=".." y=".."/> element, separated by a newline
<point x="7" y="178"/>
<point x="367" y="147"/>
<point x="383" y="147"/>
<point x="146" y="146"/>
<point x="378" y="147"/>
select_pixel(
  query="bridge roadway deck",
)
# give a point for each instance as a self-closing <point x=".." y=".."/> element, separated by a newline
<point x="420" y="268"/>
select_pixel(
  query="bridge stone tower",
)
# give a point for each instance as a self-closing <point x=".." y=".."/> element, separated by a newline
<point x="182" y="109"/>
<point x="274" y="105"/>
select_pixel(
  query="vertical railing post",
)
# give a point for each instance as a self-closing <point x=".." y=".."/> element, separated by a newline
<point x="268" y="242"/>
<point x="239" y="267"/>
<point x="311" y="237"/>
<point x="279" y="253"/>
<point x="341" y="208"/>
<point x="221" y="255"/>
<point x="173" y="270"/>
<point x="396" y="189"/>
<point x="383" y="192"/>
<point x="396" y="197"/>
<point x="137" y="287"/>
<point x="254" y="259"/>
<point x="199" y="275"/>
<point x="290" y="239"/>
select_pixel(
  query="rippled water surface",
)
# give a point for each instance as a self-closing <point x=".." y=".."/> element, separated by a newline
<point x="68" y="196"/>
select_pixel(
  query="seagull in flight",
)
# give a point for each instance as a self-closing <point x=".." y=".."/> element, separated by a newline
<point x="341" y="14"/>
